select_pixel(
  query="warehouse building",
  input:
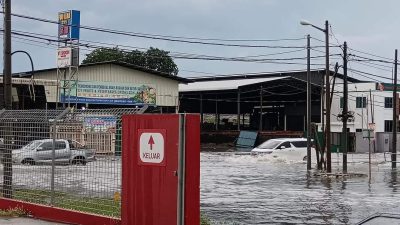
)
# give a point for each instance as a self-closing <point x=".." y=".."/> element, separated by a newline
<point x="264" y="102"/>
<point x="106" y="85"/>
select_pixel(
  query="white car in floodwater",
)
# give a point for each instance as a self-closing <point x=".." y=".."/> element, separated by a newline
<point x="293" y="149"/>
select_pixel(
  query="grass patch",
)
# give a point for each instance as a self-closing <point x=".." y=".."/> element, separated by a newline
<point x="204" y="220"/>
<point x="101" y="206"/>
<point x="16" y="212"/>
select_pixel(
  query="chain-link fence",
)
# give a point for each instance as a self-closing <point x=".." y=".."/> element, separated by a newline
<point x="64" y="158"/>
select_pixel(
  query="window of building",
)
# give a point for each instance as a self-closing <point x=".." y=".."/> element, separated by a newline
<point x="388" y="102"/>
<point x="361" y="102"/>
<point x="388" y="126"/>
<point x="341" y="102"/>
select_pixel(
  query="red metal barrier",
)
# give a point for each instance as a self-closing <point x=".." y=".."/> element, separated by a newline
<point x="58" y="214"/>
<point x="150" y="183"/>
<point x="192" y="170"/>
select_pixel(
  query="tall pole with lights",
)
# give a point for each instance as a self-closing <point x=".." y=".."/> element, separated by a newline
<point x="327" y="93"/>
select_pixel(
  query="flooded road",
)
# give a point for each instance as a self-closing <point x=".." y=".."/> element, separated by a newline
<point x="243" y="189"/>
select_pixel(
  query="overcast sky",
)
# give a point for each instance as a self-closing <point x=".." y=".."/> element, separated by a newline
<point x="366" y="25"/>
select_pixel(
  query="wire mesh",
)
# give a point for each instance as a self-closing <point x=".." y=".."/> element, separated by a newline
<point x="64" y="158"/>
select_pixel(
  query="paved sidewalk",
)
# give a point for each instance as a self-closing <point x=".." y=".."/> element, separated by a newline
<point x="25" y="221"/>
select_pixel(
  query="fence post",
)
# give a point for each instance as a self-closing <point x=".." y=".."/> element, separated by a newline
<point x="7" y="161"/>
<point x="53" y="154"/>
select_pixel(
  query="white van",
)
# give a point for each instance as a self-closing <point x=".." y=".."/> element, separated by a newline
<point x="289" y="148"/>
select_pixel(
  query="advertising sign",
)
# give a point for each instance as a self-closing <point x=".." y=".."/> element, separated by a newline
<point x="67" y="56"/>
<point x="68" y="25"/>
<point x="93" y="92"/>
<point x="64" y="56"/>
<point x="100" y="123"/>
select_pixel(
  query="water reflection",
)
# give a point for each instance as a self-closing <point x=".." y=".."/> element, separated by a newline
<point x="391" y="179"/>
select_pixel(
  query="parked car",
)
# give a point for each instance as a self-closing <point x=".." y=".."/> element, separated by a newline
<point x="288" y="148"/>
<point x="41" y="151"/>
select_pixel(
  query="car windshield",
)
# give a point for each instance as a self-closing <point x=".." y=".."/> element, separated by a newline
<point x="270" y="144"/>
<point x="31" y="145"/>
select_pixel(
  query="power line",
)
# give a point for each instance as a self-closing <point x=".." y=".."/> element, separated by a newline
<point x="370" y="59"/>
<point x="370" y="54"/>
<point x="142" y="48"/>
<point x="160" y="37"/>
<point x="369" y="75"/>
<point x="372" y="66"/>
<point x="197" y="57"/>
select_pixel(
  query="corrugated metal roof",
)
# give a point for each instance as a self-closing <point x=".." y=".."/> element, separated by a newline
<point x="223" y="84"/>
<point x="123" y="64"/>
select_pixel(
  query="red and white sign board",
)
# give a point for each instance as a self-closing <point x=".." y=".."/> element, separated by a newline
<point x="151" y="146"/>
<point x="64" y="57"/>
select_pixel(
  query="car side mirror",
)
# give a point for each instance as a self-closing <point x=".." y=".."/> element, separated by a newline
<point x="282" y="147"/>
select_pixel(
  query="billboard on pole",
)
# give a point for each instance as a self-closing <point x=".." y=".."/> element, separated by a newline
<point x="68" y="25"/>
<point x="67" y="56"/>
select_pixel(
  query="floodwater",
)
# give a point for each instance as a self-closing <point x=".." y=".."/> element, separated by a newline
<point x="245" y="189"/>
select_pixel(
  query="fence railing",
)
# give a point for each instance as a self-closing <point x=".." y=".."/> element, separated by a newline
<point x="64" y="158"/>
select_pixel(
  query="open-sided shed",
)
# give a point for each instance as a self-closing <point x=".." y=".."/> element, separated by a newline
<point x="269" y="102"/>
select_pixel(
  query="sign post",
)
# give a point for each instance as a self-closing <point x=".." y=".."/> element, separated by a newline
<point x="67" y="55"/>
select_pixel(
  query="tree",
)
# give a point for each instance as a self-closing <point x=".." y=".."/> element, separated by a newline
<point x="153" y="58"/>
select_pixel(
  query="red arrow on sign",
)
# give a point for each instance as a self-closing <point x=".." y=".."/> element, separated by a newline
<point x="151" y="142"/>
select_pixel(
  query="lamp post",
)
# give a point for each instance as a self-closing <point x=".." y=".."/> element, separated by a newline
<point x="32" y="92"/>
<point x="327" y="93"/>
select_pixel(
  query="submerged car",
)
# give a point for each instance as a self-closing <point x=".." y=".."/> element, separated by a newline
<point x="41" y="151"/>
<point x="290" y="148"/>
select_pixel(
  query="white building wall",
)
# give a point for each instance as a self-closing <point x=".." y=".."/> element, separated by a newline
<point x="166" y="89"/>
<point x="360" y="114"/>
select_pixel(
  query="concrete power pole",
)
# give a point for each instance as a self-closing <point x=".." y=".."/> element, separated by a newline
<point x="308" y="105"/>
<point x="345" y="109"/>
<point x="7" y="175"/>
<point x="395" y="119"/>
<point x="328" y="102"/>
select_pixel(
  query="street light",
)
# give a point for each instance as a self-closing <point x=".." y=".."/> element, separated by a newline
<point x="32" y="92"/>
<point x="327" y="93"/>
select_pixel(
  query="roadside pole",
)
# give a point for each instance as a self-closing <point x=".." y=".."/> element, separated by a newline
<point x="308" y="106"/>
<point x="345" y="109"/>
<point x="394" y="100"/>
<point x="328" y="105"/>
<point x="7" y="175"/>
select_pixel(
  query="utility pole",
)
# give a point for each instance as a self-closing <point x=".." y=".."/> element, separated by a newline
<point x="238" y="110"/>
<point x="394" y="138"/>
<point x="260" y="127"/>
<point x="7" y="175"/>
<point x="327" y="102"/>
<point x="308" y="105"/>
<point x="345" y="109"/>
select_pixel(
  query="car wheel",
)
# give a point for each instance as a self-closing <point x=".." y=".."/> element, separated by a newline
<point x="79" y="161"/>
<point x="28" y="162"/>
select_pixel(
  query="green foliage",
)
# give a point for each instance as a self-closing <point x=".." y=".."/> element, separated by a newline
<point x="102" y="206"/>
<point x="153" y="58"/>
<point x="15" y="212"/>
<point x="204" y="220"/>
